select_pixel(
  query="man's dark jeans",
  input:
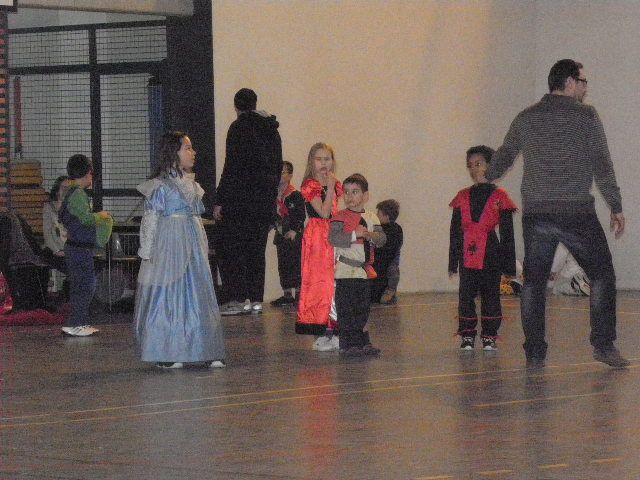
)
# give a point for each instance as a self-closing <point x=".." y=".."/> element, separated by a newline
<point x="584" y="237"/>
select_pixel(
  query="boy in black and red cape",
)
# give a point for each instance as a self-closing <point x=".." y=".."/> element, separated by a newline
<point x="477" y="252"/>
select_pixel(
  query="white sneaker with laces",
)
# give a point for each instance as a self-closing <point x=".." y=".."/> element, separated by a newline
<point x="81" y="331"/>
<point x="256" y="307"/>
<point x="319" y="343"/>
<point x="169" y="364"/>
<point x="330" y="344"/>
<point x="217" y="364"/>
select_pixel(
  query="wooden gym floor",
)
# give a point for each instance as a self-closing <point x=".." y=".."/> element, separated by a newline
<point x="86" y="408"/>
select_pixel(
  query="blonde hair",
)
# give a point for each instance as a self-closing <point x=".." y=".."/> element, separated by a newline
<point x="309" y="171"/>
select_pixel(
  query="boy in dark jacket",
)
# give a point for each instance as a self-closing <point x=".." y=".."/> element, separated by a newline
<point x="288" y="237"/>
<point x="85" y="232"/>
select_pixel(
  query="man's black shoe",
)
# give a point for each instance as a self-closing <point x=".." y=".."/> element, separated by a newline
<point x="535" y="363"/>
<point x="611" y="356"/>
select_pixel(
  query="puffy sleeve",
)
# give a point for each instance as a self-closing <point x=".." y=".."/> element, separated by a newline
<point x="154" y="204"/>
<point x="459" y="199"/>
<point x="311" y="189"/>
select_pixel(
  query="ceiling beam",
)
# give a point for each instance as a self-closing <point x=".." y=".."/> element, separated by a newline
<point x="180" y="8"/>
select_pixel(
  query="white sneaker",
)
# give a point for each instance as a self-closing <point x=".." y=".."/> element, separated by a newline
<point x="169" y="364"/>
<point x="78" y="331"/>
<point x="217" y="364"/>
<point x="327" y="344"/>
<point x="89" y="327"/>
<point x="246" y="306"/>
<point x="233" y="308"/>
<point x="256" y="307"/>
<point x="319" y="343"/>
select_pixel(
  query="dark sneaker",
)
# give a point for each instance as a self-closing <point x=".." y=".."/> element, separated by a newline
<point x="351" y="352"/>
<point x="467" y="343"/>
<point x="388" y="298"/>
<point x="611" y="357"/>
<point x="370" y="350"/>
<point x="283" y="300"/>
<point x="535" y="363"/>
<point x="489" y="343"/>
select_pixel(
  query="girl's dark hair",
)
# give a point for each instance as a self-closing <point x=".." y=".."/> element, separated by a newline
<point x="55" y="188"/>
<point x="170" y="143"/>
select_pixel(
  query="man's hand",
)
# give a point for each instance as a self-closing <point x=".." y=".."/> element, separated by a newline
<point x="361" y="231"/>
<point x="104" y="215"/>
<point x="217" y="213"/>
<point x="290" y="235"/>
<point x="617" y="224"/>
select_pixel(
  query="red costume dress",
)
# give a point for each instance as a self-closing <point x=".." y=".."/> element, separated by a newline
<point x="318" y="263"/>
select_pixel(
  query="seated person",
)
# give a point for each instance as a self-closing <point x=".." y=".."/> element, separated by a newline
<point x="387" y="258"/>
<point x="54" y="233"/>
<point x="24" y="264"/>
<point x="567" y="278"/>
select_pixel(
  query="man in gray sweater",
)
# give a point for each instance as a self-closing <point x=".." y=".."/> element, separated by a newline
<point x="564" y="148"/>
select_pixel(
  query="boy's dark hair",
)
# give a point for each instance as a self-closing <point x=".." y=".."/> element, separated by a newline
<point x="78" y="166"/>
<point x="359" y="180"/>
<point x="562" y="70"/>
<point x="245" y="99"/>
<point x="55" y="188"/>
<point x="486" y="152"/>
<point x="391" y="208"/>
<point x="288" y="166"/>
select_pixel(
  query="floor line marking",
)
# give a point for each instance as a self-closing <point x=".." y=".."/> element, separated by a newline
<point x="600" y="461"/>
<point x="553" y="466"/>
<point x="538" y="399"/>
<point x="250" y="403"/>
<point x="266" y="392"/>
<point x="437" y="477"/>
<point x="494" y="377"/>
<point x="493" y="473"/>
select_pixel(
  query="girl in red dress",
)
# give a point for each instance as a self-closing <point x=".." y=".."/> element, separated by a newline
<point x="321" y="190"/>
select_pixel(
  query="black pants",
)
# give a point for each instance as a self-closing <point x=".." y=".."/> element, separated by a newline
<point x="352" y="307"/>
<point x="485" y="282"/>
<point x="289" y="263"/>
<point x="584" y="238"/>
<point x="241" y="259"/>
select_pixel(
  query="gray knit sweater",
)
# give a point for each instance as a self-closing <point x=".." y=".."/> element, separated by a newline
<point x="564" y="149"/>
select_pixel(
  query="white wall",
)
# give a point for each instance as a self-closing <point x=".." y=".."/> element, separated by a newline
<point x="603" y="35"/>
<point x="400" y="88"/>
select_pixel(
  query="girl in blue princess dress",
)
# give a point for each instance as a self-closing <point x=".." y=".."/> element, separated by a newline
<point x="176" y="316"/>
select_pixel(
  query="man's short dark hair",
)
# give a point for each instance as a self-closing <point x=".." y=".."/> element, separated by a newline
<point x="486" y="152"/>
<point x="391" y="208"/>
<point x="78" y="166"/>
<point x="288" y="166"/>
<point x="562" y="70"/>
<point x="245" y="99"/>
<point x="359" y="180"/>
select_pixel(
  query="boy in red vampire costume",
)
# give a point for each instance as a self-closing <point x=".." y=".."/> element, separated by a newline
<point x="477" y="252"/>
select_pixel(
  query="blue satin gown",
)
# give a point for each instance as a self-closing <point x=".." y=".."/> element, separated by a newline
<point x="176" y="313"/>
